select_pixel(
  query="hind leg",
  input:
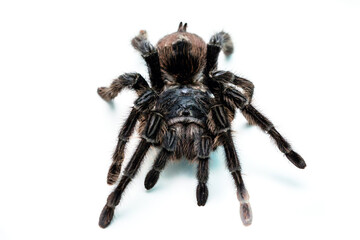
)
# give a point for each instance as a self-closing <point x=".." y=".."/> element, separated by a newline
<point x="232" y="161"/>
<point x="234" y="167"/>
<point x="202" y="175"/>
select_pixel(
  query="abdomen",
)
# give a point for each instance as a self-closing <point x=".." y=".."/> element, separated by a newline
<point x="185" y="110"/>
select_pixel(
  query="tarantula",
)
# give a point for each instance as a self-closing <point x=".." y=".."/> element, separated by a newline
<point x="186" y="112"/>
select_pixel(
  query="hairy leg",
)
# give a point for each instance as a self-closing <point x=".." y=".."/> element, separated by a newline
<point x="151" y="133"/>
<point x="235" y="98"/>
<point x="169" y="143"/>
<point x="234" y="167"/>
<point x="232" y="161"/>
<point x="128" y="80"/>
<point x="130" y="171"/>
<point x="118" y="156"/>
<point x="153" y="175"/>
<point x="223" y="40"/>
<point x="151" y="57"/>
<point x="145" y="101"/>
<point x="219" y="41"/>
<point x="226" y="77"/>
<point x="202" y="175"/>
<point x="253" y="116"/>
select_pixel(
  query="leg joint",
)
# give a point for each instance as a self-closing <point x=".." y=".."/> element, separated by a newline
<point x="205" y="147"/>
<point x="234" y="169"/>
<point x="170" y="140"/>
<point x="145" y="101"/>
<point x="153" y="128"/>
<point x="219" y="116"/>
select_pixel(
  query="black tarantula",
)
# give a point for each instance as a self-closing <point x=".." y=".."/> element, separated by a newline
<point x="186" y="112"/>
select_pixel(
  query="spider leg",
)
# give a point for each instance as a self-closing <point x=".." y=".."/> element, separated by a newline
<point x="236" y="99"/>
<point x="128" y="80"/>
<point x="253" y="116"/>
<point x="151" y="133"/>
<point x="151" y="57"/>
<point x="118" y="156"/>
<point x="144" y="101"/>
<point x="234" y="167"/>
<point x="203" y="169"/>
<point x="219" y="41"/>
<point x="226" y="77"/>
<point x="153" y="175"/>
<point x="233" y="163"/>
<point x="169" y="144"/>
<point x="130" y="171"/>
<point x="202" y="175"/>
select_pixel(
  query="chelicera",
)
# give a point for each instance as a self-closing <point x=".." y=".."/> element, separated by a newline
<point x="186" y="111"/>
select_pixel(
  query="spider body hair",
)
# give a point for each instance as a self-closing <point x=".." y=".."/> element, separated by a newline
<point x="186" y="111"/>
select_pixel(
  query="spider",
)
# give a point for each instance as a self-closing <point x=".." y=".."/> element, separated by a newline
<point x="186" y="112"/>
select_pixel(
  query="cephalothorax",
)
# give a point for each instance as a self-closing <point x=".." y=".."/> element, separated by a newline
<point x="186" y="112"/>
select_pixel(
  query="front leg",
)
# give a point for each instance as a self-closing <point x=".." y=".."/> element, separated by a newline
<point x="219" y="41"/>
<point x="132" y="81"/>
<point x="151" y="57"/>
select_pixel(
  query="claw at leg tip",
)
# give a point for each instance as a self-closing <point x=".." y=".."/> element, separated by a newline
<point x="100" y="89"/>
<point x="246" y="214"/>
<point x="102" y="93"/>
<point x="106" y="216"/>
<point x="296" y="159"/>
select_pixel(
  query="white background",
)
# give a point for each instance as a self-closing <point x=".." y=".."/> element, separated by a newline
<point x="57" y="136"/>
